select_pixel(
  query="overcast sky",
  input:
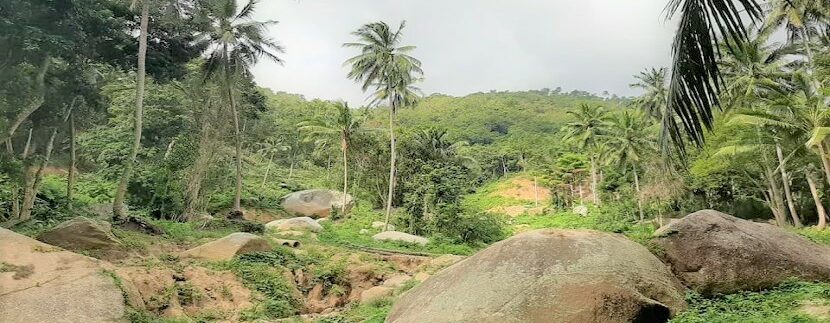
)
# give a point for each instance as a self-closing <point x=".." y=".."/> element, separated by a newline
<point x="469" y="46"/>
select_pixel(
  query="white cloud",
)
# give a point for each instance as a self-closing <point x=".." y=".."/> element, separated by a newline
<point x="473" y="45"/>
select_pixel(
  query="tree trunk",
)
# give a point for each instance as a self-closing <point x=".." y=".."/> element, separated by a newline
<point x="267" y="170"/>
<point x="820" y="211"/>
<point x="786" y="181"/>
<point x="129" y="164"/>
<point x="594" y="194"/>
<point x="70" y="178"/>
<point x="40" y="89"/>
<point x="637" y="189"/>
<point x="30" y="192"/>
<point x="392" y="156"/>
<point x="237" y="198"/>
<point x="345" y="148"/>
<point x="774" y="197"/>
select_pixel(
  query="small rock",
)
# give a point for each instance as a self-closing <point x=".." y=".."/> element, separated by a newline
<point x="364" y="231"/>
<point x="317" y="203"/>
<point x="81" y="233"/>
<point x="401" y="237"/>
<point x="229" y="246"/>
<point x="295" y="224"/>
<point x="397" y="280"/>
<point x="375" y="293"/>
<point x="581" y="210"/>
<point x="380" y="225"/>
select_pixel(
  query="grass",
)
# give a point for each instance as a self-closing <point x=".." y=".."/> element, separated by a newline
<point x="346" y="233"/>
<point x="485" y="199"/>
<point x="815" y="235"/>
<point x="778" y="305"/>
<point x="372" y="312"/>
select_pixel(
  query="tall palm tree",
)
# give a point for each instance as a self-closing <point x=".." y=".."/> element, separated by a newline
<point x="655" y="102"/>
<point x="344" y="126"/>
<point x="388" y="68"/>
<point x="589" y="125"/>
<point x="629" y="143"/>
<point x="235" y="43"/>
<point x="129" y="164"/>
<point x="800" y="18"/>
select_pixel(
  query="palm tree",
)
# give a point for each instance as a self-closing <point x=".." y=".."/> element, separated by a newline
<point x="388" y="68"/>
<point x="129" y="164"/>
<point x="345" y="125"/>
<point x="629" y="142"/>
<point x="590" y="124"/>
<point x="655" y="102"/>
<point x="800" y="18"/>
<point x="235" y="42"/>
<point x="696" y="82"/>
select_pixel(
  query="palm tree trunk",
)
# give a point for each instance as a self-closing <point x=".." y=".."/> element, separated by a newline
<point x="774" y="199"/>
<point x="70" y="178"/>
<point x="267" y="170"/>
<point x="345" y="147"/>
<point x="594" y="194"/>
<point x="121" y="192"/>
<point x="785" y="178"/>
<point x="237" y="198"/>
<point x="392" y="156"/>
<point x="637" y="189"/>
<point x="820" y="211"/>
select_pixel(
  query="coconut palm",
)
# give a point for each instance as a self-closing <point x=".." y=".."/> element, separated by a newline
<point x="235" y="43"/>
<point x="129" y="163"/>
<point x="655" y="102"/>
<point x="629" y="142"/>
<point x="344" y="126"/>
<point x="589" y="125"/>
<point x="696" y="81"/>
<point x="386" y="67"/>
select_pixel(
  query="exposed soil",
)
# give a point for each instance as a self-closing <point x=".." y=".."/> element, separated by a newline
<point x="523" y="189"/>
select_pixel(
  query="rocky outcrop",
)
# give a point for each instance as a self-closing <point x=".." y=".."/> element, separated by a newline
<point x="317" y="203"/>
<point x="295" y="224"/>
<point x="81" y="234"/>
<point x="42" y="283"/>
<point x="400" y="237"/>
<point x="713" y="252"/>
<point x="548" y="276"/>
<point x="231" y="245"/>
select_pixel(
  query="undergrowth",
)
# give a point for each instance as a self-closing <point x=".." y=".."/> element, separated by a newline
<point x="777" y="305"/>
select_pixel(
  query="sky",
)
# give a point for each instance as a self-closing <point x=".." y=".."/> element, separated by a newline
<point x="469" y="46"/>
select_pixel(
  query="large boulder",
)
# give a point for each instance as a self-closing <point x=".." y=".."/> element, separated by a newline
<point x="80" y="234"/>
<point x="713" y="252"/>
<point x="43" y="283"/>
<point x="231" y="245"/>
<point x="548" y="276"/>
<point x="316" y="203"/>
<point x="302" y="223"/>
<point x="400" y="237"/>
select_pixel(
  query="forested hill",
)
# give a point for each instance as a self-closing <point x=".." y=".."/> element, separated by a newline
<point x="485" y="118"/>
